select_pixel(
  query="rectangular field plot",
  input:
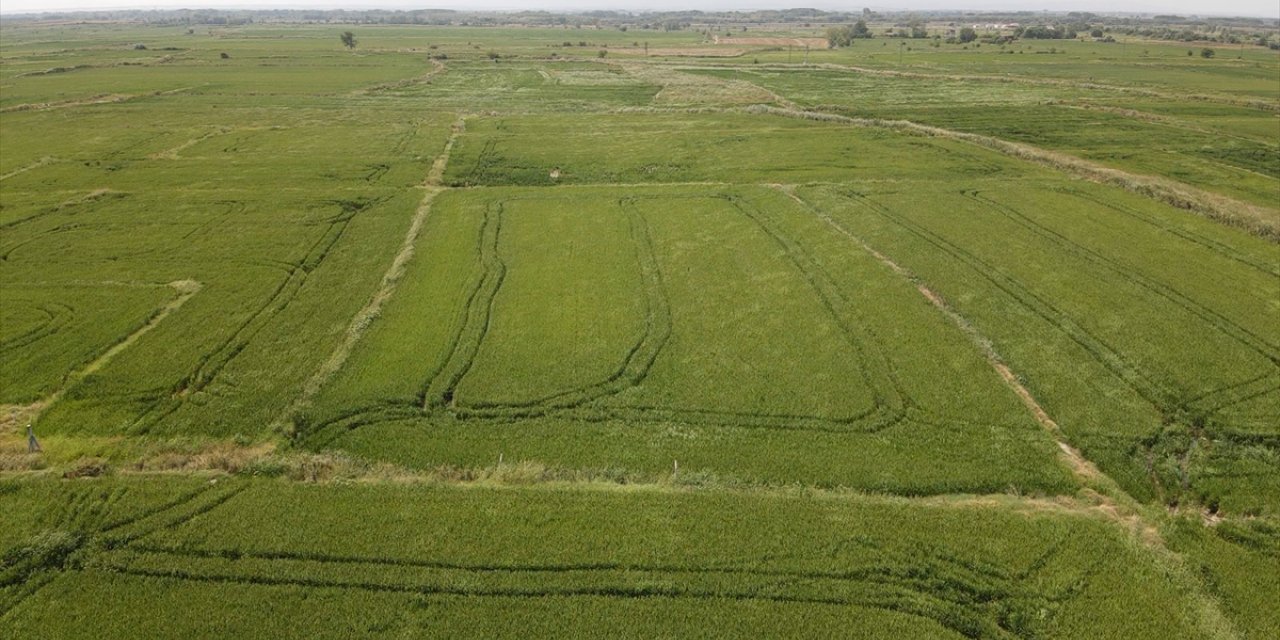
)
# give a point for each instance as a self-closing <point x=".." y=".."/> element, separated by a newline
<point x="680" y="147"/>
<point x="728" y="329"/>
<point x="396" y="560"/>
<point x="1151" y="335"/>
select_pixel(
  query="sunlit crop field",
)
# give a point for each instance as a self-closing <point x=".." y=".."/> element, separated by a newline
<point x="482" y="331"/>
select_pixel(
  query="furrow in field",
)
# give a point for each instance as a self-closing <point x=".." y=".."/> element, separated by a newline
<point x="390" y="280"/>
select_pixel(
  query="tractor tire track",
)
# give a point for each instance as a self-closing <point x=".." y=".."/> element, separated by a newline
<point x="1224" y="250"/>
<point x="57" y="316"/>
<point x="639" y="357"/>
<point x="1099" y="350"/>
<point x="211" y="364"/>
<point x="1224" y="325"/>
<point x="186" y="289"/>
<point x="478" y="312"/>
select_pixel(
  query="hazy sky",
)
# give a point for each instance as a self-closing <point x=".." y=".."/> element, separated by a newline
<point x="1266" y="8"/>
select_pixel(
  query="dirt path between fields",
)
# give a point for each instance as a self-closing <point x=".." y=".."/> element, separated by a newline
<point x="1258" y="220"/>
<point x="1251" y="103"/>
<point x="15" y="417"/>
<point x="1081" y="467"/>
<point x="433" y="185"/>
<point x="103" y="98"/>
<point x="437" y="68"/>
<point x="1100" y="495"/>
<point x="35" y="165"/>
<point x="815" y="43"/>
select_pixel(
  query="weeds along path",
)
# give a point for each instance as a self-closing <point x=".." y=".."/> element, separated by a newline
<point x="14" y="417"/>
<point x="1261" y="221"/>
<point x="432" y="186"/>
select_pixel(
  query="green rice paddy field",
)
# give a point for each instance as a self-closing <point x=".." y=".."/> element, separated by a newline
<point x="416" y="340"/>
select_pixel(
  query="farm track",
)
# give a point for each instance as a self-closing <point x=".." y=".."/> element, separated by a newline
<point x="475" y="316"/>
<point x="88" y="198"/>
<point x="12" y="419"/>
<point x="967" y="598"/>
<point x="106" y="536"/>
<point x="211" y="364"/>
<point x="967" y="595"/>
<point x="1156" y="118"/>
<point x="56" y="316"/>
<point x="635" y="364"/>
<point x="891" y="405"/>
<point x="1262" y="105"/>
<point x="1107" y="496"/>
<point x="1098" y="349"/>
<point x="1224" y="325"/>
<point x="1261" y="221"/>
<point x="390" y="280"/>
<point x="35" y="165"/>
<point x="1180" y="409"/>
<point x="233" y="208"/>
<point x="1079" y="465"/>
<point x="1190" y="236"/>
<point x="1172" y="406"/>
<point x="891" y="401"/>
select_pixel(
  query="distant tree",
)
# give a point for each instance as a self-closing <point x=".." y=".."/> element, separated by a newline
<point x="1206" y="53"/>
<point x="967" y="34"/>
<point x="1096" y="33"/>
<point x="601" y="53"/>
<point x="348" y="39"/>
<point x="224" y="55"/>
<point x="838" y="37"/>
<point x="844" y="36"/>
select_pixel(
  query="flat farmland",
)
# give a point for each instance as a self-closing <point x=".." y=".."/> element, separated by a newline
<point x="523" y="331"/>
<point x="635" y="289"/>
